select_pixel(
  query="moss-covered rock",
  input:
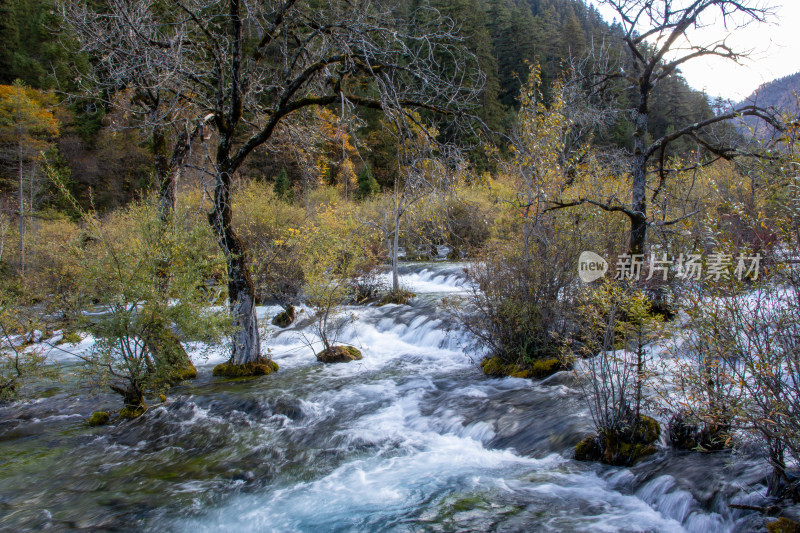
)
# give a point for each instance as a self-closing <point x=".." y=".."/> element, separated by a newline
<point x="700" y="437"/>
<point x="339" y="354"/>
<point x="285" y="318"/>
<point x="99" y="418"/>
<point x="783" y="525"/>
<point x="401" y="297"/>
<point x="132" y="411"/>
<point x="589" y="449"/>
<point x="541" y="368"/>
<point x="231" y="370"/>
<point x="183" y="372"/>
<point x="620" y="447"/>
<point x="649" y="429"/>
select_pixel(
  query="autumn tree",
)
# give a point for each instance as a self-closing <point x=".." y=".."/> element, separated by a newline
<point x="26" y="123"/>
<point x="250" y="66"/>
<point x="656" y="44"/>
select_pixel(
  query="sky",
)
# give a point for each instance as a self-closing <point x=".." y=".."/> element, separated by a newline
<point x="774" y="52"/>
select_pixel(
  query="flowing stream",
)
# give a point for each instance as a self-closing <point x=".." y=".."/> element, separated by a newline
<point x="411" y="438"/>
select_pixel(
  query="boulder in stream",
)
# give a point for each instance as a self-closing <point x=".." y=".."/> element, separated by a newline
<point x="285" y="318"/>
<point x="495" y="367"/>
<point x="620" y="447"/>
<point x="685" y="435"/>
<point x="339" y="354"/>
<point x="99" y="418"/>
<point x="231" y="370"/>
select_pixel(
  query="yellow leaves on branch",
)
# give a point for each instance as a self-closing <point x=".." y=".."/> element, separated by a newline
<point x="25" y="115"/>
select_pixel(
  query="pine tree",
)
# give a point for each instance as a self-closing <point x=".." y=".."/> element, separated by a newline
<point x="367" y="184"/>
<point x="283" y="187"/>
<point x="9" y="40"/>
<point x="574" y="38"/>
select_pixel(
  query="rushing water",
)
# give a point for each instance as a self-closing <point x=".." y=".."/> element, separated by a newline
<point x="412" y="438"/>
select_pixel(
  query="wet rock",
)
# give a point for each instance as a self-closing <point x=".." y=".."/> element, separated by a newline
<point x="290" y="408"/>
<point x="701" y="437"/>
<point x="620" y="447"/>
<point x="339" y="354"/>
<point x="132" y="411"/>
<point x="542" y="368"/>
<point x="783" y="525"/>
<point x="285" y="318"/>
<point x="231" y="370"/>
<point x="99" y="418"/>
<point x="401" y="297"/>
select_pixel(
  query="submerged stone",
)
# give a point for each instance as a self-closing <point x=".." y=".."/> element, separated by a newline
<point x="285" y="318"/>
<point x="231" y="370"/>
<point x="339" y="354"/>
<point x="99" y="418"/>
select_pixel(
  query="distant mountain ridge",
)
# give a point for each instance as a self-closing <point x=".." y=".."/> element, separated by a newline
<point x="782" y="94"/>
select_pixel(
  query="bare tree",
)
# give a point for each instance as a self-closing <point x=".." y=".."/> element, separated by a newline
<point x="656" y="46"/>
<point x="251" y="65"/>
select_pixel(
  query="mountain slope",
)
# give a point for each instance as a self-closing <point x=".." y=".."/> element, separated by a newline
<point x="781" y="94"/>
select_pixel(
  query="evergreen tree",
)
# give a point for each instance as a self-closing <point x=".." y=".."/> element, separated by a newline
<point x="9" y="40"/>
<point x="574" y="39"/>
<point x="283" y="187"/>
<point x="367" y="184"/>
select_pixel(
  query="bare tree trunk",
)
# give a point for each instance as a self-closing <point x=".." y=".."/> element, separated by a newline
<point x="395" y="251"/>
<point x="164" y="173"/>
<point x="21" y="212"/>
<point x="31" y="194"/>
<point x="638" y="238"/>
<point x="241" y="291"/>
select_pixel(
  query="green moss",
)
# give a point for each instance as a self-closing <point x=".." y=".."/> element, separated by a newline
<point x="620" y="447"/>
<point x="184" y="372"/>
<point x="541" y="368"/>
<point x="649" y="429"/>
<point x="517" y="372"/>
<point x="467" y="503"/>
<point x="546" y="367"/>
<point x="231" y="370"/>
<point x="339" y="354"/>
<point x="99" y="418"/>
<point x="401" y="297"/>
<point x="130" y="411"/>
<point x="783" y="525"/>
<point x="494" y="367"/>
<point x="588" y="449"/>
<point x="285" y="318"/>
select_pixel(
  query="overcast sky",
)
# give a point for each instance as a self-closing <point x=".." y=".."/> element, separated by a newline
<point x="775" y="52"/>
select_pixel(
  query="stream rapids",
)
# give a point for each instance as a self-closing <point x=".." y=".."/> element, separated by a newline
<point x="411" y="438"/>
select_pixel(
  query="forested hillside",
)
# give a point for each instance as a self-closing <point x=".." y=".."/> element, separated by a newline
<point x="107" y="155"/>
<point x="782" y="94"/>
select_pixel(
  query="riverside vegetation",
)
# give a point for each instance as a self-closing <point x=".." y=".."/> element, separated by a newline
<point x="303" y="202"/>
